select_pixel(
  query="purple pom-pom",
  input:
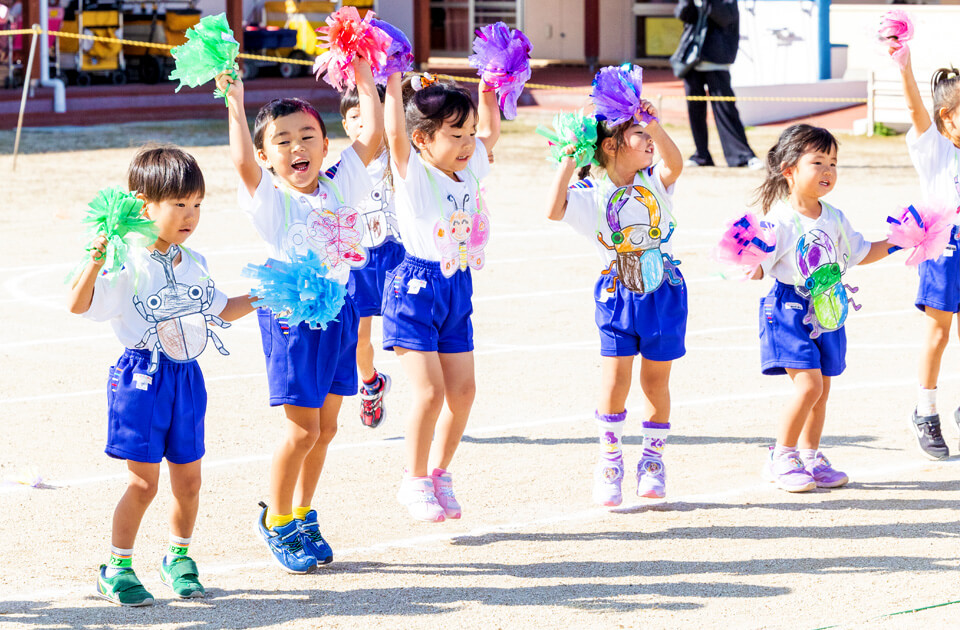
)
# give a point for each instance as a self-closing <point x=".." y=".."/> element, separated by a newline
<point x="616" y="95"/>
<point x="502" y="57"/>
<point x="399" y="54"/>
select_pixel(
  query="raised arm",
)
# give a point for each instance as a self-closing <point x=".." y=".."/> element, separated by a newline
<point x="367" y="144"/>
<point x="81" y="293"/>
<point x="395" y="124"/>
<point x="918" y="112"/>
<point x="241" y="144"/>
<point x="488" y="117"/>
<point x="669" y="153"/>
<point x="557" y="207"/>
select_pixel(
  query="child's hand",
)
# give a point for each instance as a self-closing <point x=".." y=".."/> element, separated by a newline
<point x="646" y="107"/>
<point x="98" y="251"/>
<point x="232" y="87"/>
<point x="361" y="67"/>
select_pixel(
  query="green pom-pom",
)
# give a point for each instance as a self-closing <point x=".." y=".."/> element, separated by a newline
<point x="117" y="214"/>
<point x="572" y="129"/>
<point x="211" y="49"/>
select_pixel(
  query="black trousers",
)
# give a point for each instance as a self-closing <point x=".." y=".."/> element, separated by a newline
<point x="733" y="139"/>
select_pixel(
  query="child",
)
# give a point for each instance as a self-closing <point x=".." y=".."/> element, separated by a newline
<point x="386" y="252"/>
<point x="156" y="396"/>
<point x="935" y="154"/>
<point x="426" y="308"/>
<point x="801" y="319"/>
<point x="309" y="370"/>
<point x="641" y="298"/>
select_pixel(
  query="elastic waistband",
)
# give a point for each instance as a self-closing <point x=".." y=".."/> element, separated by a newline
<point x="143" y="355"/>
<point x="431" y="267"/>
<point x="782" y="288"/>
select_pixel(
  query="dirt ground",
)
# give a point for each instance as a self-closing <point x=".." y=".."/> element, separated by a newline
<point x="724" y="550"/>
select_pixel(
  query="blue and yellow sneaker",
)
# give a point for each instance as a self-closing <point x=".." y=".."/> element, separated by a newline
<point x="123" y="589"/>
<point x="285" y="545"/>
<point x="313" y="543"/>
<point x="182" y="576"/>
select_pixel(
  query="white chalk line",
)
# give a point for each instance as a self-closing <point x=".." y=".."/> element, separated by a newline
<point x="423" y="542"/>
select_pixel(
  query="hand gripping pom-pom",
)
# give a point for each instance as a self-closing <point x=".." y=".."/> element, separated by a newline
<point x="210" y="49"/>
<point x="345" y="37"/>
<point x="616" y="94"/>
<point x="745" y="244"/>
<point x="895" y="31"/>
<point x="117" y="214"/>
<point x="399" y="54"/>
<point x="300" y="291"/>
<point x="924" y="228"/>
<point x="502" y="59"/>
<point x="572" y="129"/>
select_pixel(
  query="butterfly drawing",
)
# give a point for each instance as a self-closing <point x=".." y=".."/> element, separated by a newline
<point x="461" y="238"/>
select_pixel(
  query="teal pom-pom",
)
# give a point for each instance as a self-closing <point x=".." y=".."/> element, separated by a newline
<point x="299" y="291"/>
<point x="211" y="49"/>
<point x="117" y="214"/>
<point x="572" y="129"/>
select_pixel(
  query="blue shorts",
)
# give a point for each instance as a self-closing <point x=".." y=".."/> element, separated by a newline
<point x="940" y="279"/>
<point x="152" y="416"/>
<point x="785" y="340"/>
<point x="423" y="310"/>
<point x="365" y="285"/>
<point x="303" y="364"/>
<point x="653" y="325"/>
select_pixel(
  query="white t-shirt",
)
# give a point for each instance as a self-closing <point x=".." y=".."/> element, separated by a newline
<point x="637" y="209"/>
<point x="143" y="280"/>
<point x="827" y="239"/>
<point x="938" y="164"/>
<point x="378" y="210"/>
<point x="288" y="220"/>
<point x="427" y="195"/>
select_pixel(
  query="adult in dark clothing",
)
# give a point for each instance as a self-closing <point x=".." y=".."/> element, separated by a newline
<point x="712" y="74"/>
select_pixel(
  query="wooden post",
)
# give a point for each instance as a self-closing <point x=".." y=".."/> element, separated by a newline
<point x="235" y="19"/>
<point x="421" y="32"/>
<point x="31" y="15"/>
<point x="591" y="33"/>
<point x="26" y="89"/>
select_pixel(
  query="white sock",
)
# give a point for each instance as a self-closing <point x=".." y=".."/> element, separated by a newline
<point x="178" y="548"/>
<point x="808" y="455"/>
<point x="782" y="451"/>
<point x="610" y="427"/>
<point x="927" y="402"/>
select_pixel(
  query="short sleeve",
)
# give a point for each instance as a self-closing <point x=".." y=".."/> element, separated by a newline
<point x="666" y="191"/>
<point x="785" y="240"/>
<point x="264" y="207"/>
<point x="219" y="301"/>
<point x="479" y="163"/>
<point x="928" y="151"/>
<point x="351" y="177"/>
<point x="581" y="211"/>
<point x="859" y="246"/>
<point x="109" y="295"/>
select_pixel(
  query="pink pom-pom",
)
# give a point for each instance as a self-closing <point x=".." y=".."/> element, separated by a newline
<point x="924" y="228"/>
<point x="746" y="243"/>
<point x="895" y="31"/>
<point x="347" y="36"/>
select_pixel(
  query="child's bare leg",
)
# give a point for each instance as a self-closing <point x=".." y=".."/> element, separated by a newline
<point x="425" y="373"/>
<point x="938" y="333"/>
<point x="459" y="388"/>
<point x="365" y="349"/>
<point x="808" y="387"/>
<point x="300" y="436"/>
<point x="185" y="484"/>
<point x="141" y="489"/>
<point x="813" y="427"/>
<point x="655" y="383"/>
<point x="616" y="375"/>
<point x="312" y="465"/>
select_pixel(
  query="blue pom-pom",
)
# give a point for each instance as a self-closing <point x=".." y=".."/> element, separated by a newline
<point x="300" y="289"/>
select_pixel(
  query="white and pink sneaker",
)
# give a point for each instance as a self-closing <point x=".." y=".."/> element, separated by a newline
<point x="417" y="494"/>
<point x="443" y="491"/>
<point x="607" y="482"/>
<point x="788" y="472"/>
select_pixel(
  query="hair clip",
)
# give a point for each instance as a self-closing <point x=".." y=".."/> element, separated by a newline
<point x="422" y="80"/>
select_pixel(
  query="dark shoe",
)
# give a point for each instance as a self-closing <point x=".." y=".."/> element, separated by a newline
<point x="929" y="438"/>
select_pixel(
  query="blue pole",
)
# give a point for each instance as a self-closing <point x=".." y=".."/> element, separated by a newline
<point x="823" y="31"/>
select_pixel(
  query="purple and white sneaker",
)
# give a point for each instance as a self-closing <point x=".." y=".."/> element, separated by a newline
<point x="651" y="478"/>
<point x="824" y="474"/>
<point x="607" y="480"/>
<point x="788" y="472"/>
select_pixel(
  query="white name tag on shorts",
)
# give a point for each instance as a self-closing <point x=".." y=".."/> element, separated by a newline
<point x="949" y="251"/>
<point x="143" y="381"/>
<point x="414" y="285"/>
<point x="793" y="305"/>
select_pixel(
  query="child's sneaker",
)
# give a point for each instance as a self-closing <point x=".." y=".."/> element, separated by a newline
<point x="607" y="479"/>
<point x="311" y="539"/>
<point x="651" y="478"/>
<point x="418" y="495"/>
<point x="182" y="576"/>
<point x="123" y="588"/>
<point x="285" y="545"/>
<point x="372" y="412"/>
<point x="443" y="491"/>
<point x="788" y="473"/>
<point x="929" y="439"/>
<point x="824" y="474"/>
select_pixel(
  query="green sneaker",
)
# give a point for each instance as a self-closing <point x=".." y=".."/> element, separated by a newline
<point x="123" y="589"/>
<point x="182" y="576"/>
